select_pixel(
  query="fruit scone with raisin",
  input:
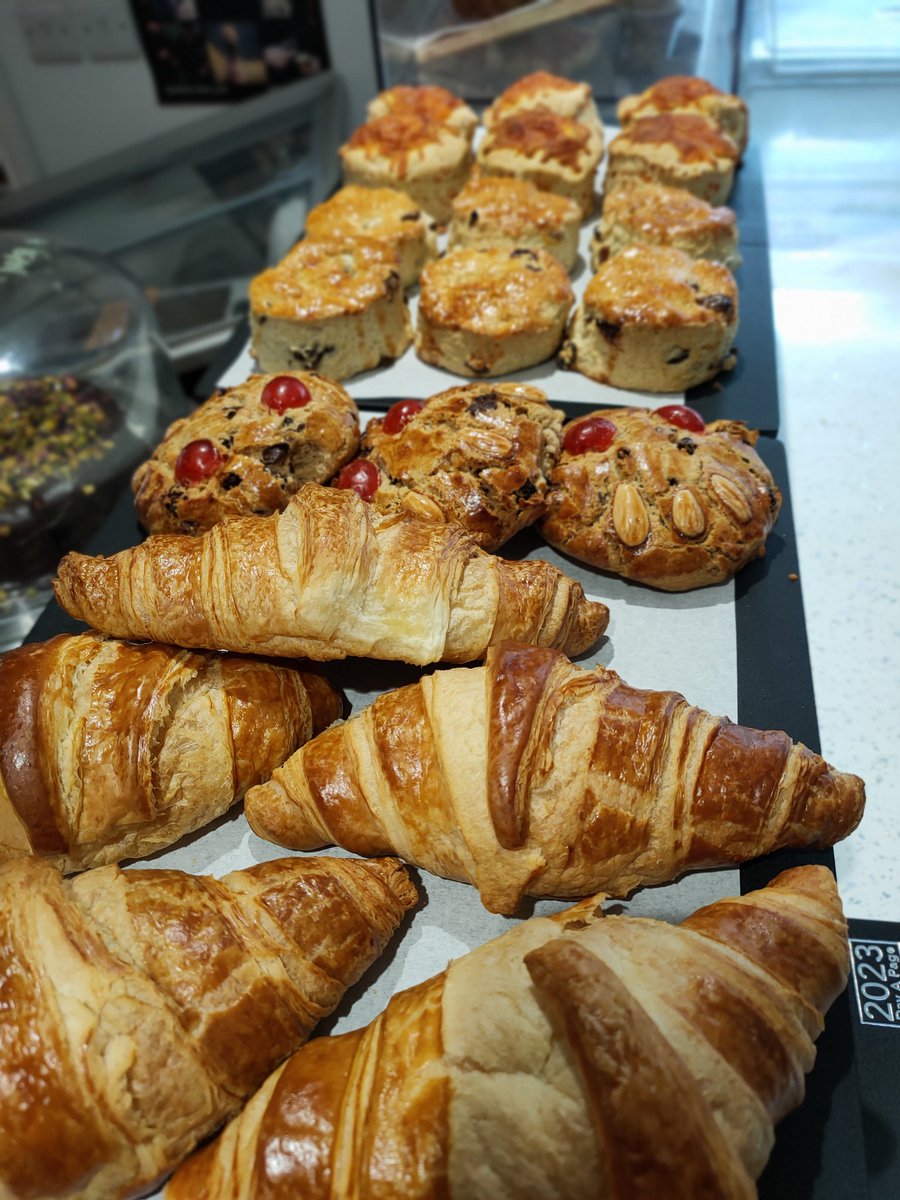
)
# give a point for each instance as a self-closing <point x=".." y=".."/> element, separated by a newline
<point x="660" y="496"/>
<point x="542" y="89"/>
<point x="689" y="94"/>
<point x="678" y="149"/>
<point x="492" y="310"/>
<point x="334" y="305"/>
<point x="428" y="101"/>
<point x="245" y="451"/>
<point x="652" y="319"/>
<point x="479" y="454"/>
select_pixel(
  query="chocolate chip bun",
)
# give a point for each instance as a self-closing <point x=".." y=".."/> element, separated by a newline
<point x="659" y="502"/>
<point x="492" y="311"/>
<point x="335" y="305"/>
<point x="478" y="454"/>
<point x="540" y="88"/>
<point x="654" y="320"/>
<point x="245" y="451"/>
<point x="431" y="103"/>
<point x="688" y="94"/>
<point x="677" y="149"/>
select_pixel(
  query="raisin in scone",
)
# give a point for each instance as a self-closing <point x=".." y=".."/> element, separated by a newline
<point x="661" y="497"/>
<point x="651" y="214"/>
<point x="427" y="160"/>
<point x="381" y="213"/>
<point x="431" y="103"/>
<point x="540" y="88"/>
<point x="245" y="451"/>
<point x="677" y="149"/>
<point x="333" y="305"/>
<point x="654" y="320"/>
<point x="492" y="210"/>
<point x="687" y="93"/>
<point x="556" y="153"/>
<point x="492" y="311"/>
<point x="478" y="454"/>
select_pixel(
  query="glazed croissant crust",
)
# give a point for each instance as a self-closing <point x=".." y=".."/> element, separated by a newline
<point x="141" y="1008"/>
<point x="570" y="1059"/>
<point x="111" y="750"/>
<point x="530" y="775"/>
<point x="326" y="578"/>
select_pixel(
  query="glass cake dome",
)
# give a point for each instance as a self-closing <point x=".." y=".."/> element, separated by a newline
<point x="86" y="390"/>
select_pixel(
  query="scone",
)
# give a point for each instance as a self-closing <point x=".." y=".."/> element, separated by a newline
<point x="478" y="454"/>
<point x="245" y="451"/>
<point x="427" y="160"/>
<point x="381" y="213"/>
<point x="687" y="93"/>
<point x="654" y="320"/>
<point x="651" y="214"/>
<point x="677" y="149"/>
<point x="540" y="88"/>
<point x="660" y="497"/>
<point x="333" y="305"/>
<point x="492" y="311"/>
<point x="436" y="104"/>
<point x="494" y="211"/>
<point x="555" y="153"/>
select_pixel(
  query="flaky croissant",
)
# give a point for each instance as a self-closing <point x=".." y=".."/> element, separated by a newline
<point x="141" y="1008"/>
<point x="111" y="750"/>
<point x="532" y="776"/>
<point x="326" y="578"/>
<point x="570" y="1059"/>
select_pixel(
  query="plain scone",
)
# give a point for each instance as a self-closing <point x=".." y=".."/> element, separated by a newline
<point x="264" y="456"/>
<point x="492" y="311"/>
<point x="335" y="306"/>
<point x="654" y="320"/>
<point x="655" y="215"/>
<point x="493" y="210"/>
<point x="478" y="454"/>
<point x="677" y="149"/>
<point x="671" y="509"/>
<point x="687" y="93"/>
<point x="386" y="214"/>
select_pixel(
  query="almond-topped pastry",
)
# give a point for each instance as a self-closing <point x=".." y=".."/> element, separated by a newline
<point x="427" y="160"/>
<point x="492" y="210"/>
<point x="660" y="496"/>
<point x="385" y="214"/>
<point x="678" y="149"/>
<point x="478" y="454"/>
<point x="655" y="320"/>
<point x="437" y="104"/>
<point x="245" y="451"/>
<point x="687" y="93"/>
<point x="553" y="152"/>
<point x="492" y="311"/>
<point x="335" y="305"/>
<point x="652" y="214"/>
<point x="540" y="88"/>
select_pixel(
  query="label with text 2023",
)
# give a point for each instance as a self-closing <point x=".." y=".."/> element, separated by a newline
<point x="876" y="980"/>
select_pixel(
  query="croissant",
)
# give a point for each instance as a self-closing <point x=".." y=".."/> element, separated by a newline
<point x="532" y="776"/>
<point x="141" y="1008"/>
<point x="110" y="750"/>
<point x="329" y="577"/>
<point x="570" y="1059"/>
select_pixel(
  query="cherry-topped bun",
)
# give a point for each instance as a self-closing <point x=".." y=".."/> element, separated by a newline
<point x="246" y="451"/>
<point x="660" y="496"/>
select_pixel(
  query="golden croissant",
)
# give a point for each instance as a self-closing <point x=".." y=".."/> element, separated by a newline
<point x="530" y="775"/>
<point x="573" y="1058"/>
<point x="141" y="1008"/>
<point x="111" y="750"/>
<point x="329" y="577"/>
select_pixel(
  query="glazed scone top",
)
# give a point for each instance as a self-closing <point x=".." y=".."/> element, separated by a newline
<point x="327" y="278"/>
<point x="400" y="137"/>
<point x="689" y="137"/>
<point x="688" y="93"/>
<point x="541" y="88"/>
<point x="494" y="291"/>
<point x="544" y="135"/>
<point x="431" y="103"/>
<point x="355" y="211"/>
<point x="512" y="205"/>
<point x="665" y="213"/>
<point x="657" y="285"/>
